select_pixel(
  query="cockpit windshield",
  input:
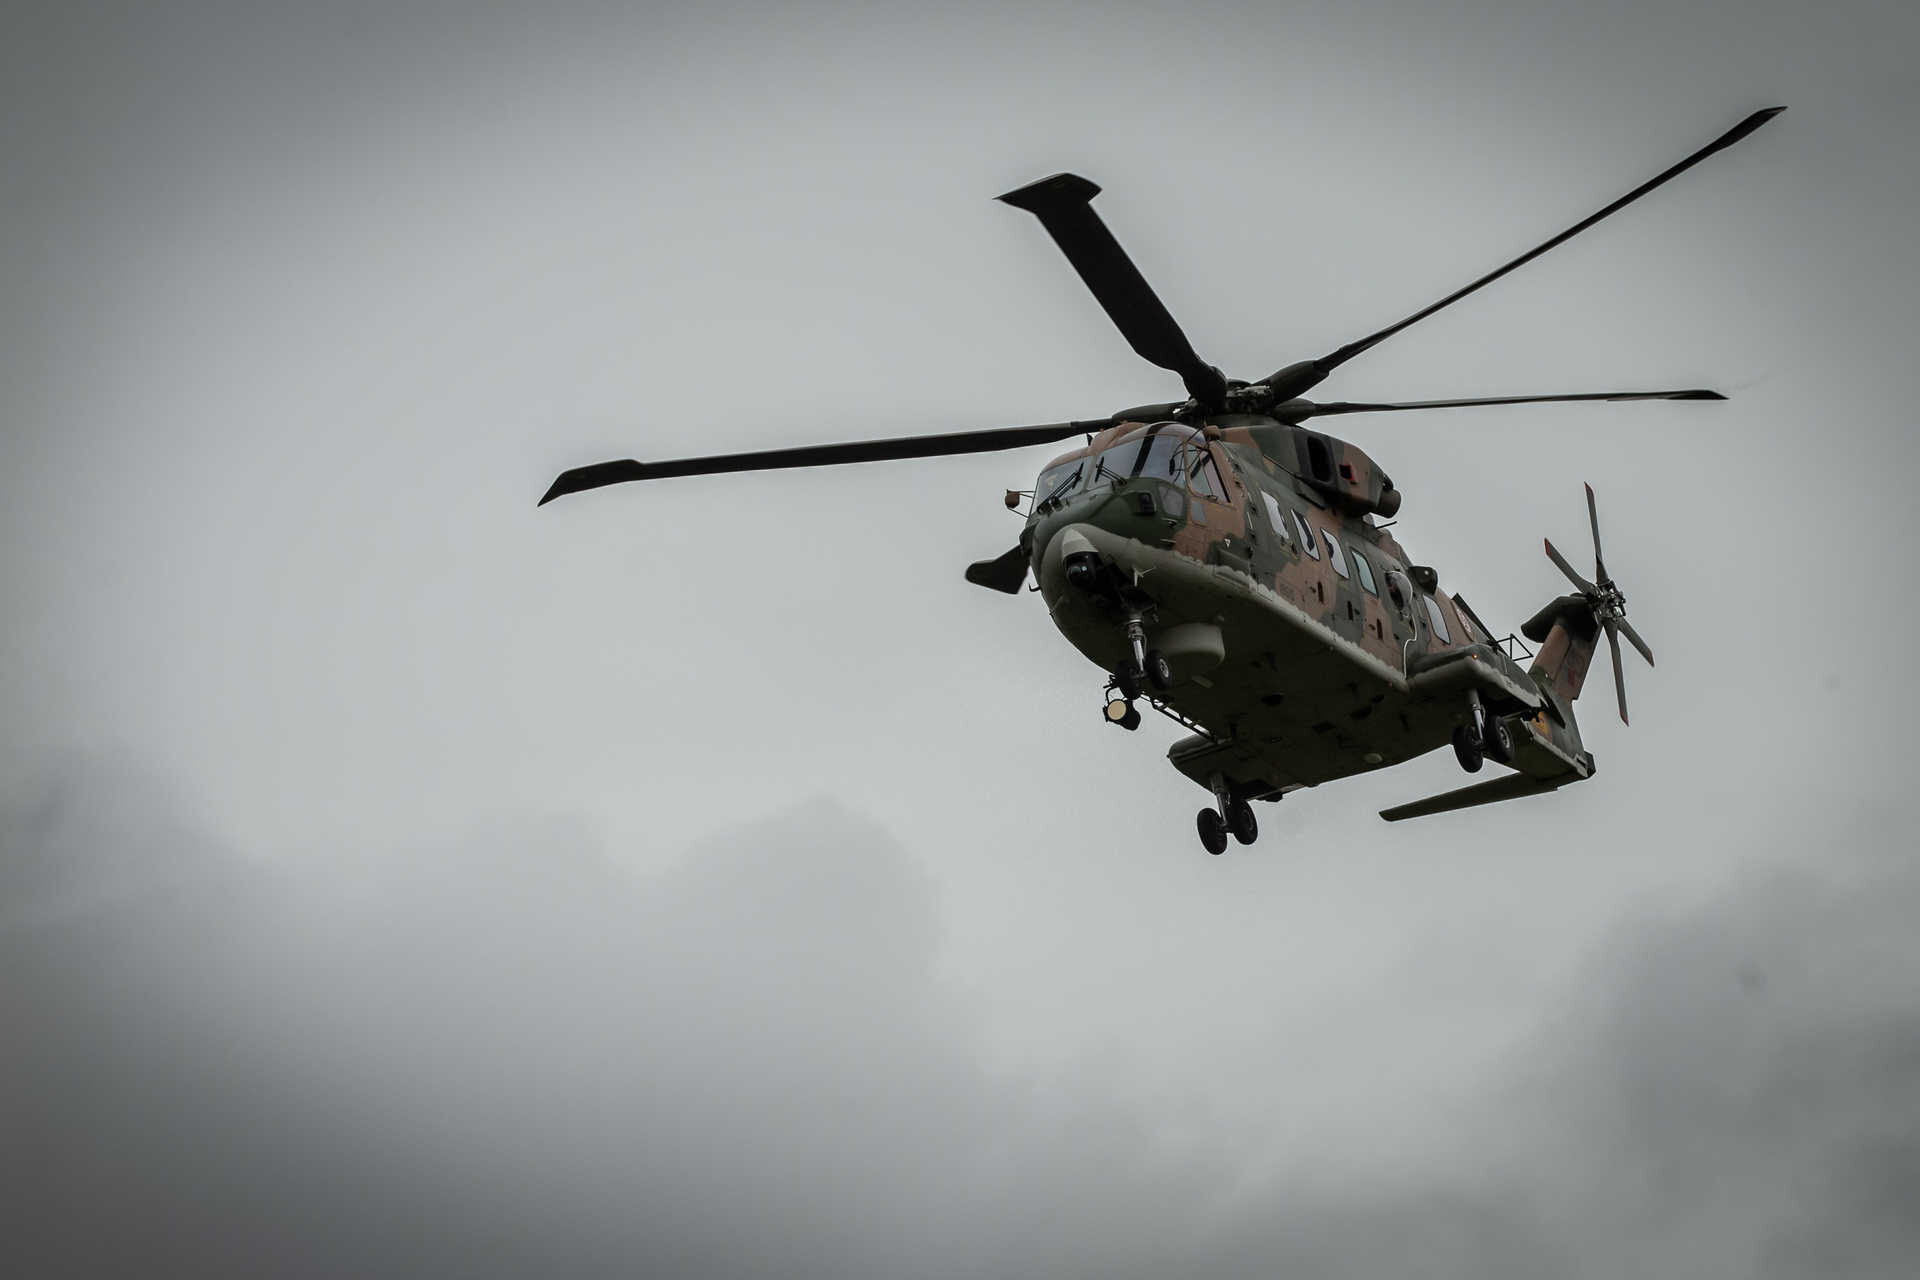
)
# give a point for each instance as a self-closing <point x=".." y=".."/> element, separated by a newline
<point x="1179" y="453"/>
<point x="1164" y="459"/>
<point x="1057" y="481"/>
<point x="1116" y="463"/>
<point x="1167" y="452"/>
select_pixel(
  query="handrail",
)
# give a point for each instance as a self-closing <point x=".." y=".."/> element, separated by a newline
<point x="1510" y="645"/>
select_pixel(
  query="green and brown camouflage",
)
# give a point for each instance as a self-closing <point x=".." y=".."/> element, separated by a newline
<point x="1304" y="643"/>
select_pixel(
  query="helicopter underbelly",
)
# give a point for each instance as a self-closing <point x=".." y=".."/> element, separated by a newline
<point x="1286" y="700"/>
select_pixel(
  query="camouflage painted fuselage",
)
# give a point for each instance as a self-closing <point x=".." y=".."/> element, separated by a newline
<point x="1302" y="645"/>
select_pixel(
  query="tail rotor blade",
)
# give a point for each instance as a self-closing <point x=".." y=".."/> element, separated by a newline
<point x="1619" y="676"/>
<point x="1633" y="637"/>
<point x="1593" y="518"/>
<point x="1560" y="562"/>
<point x="1062" y="203"/>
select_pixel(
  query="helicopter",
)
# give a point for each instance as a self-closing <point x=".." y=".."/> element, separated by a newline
<point x="1234" y="569"/>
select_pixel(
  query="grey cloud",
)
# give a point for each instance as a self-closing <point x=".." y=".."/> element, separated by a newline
<point x="502" y="1055"/>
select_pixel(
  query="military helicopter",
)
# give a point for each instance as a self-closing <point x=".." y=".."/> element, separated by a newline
<point x="1233" y="568"/>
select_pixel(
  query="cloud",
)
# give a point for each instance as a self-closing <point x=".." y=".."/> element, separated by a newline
<point x="503" y="1055"/>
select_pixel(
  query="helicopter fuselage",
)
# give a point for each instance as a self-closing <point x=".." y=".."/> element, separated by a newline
<point x="1301" y="643"/>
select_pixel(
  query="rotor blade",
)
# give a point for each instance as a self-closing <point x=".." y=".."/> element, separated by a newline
<point x="1593" y="518"/>
<point x="820" y="455"/>
<point x="1633" y="637"/>
<point x="1062" y="203"/>
<point x="1619" y="676"/>
<point x="1587" y="588"/>
<point x="1312" y="410"/>
<point x="1337" y="358"/>
<point x="1006" y="572"/>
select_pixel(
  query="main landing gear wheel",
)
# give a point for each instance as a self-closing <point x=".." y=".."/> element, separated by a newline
<point x="1159" y="670"/>
<point x="1497" y="741"/>
<point x="1241" y="822"/>
<point x="1123" y="713"/>
<point x="1213" y="831"/>
<point x="1466" y="749"/>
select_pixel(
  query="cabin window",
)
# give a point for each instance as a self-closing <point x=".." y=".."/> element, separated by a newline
<point x="1275" y="517"/>
<point x="1438" y="619"/>
<point x="1365" y="571"/>
<point x="1307" y="544"/>
<point x="1334" y="554"/>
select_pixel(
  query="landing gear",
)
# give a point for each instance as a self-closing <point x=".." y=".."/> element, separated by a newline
<point x="1143" y="667"/>
<point x="1493" y="741"/>
<point x="1241" y="822"/>
<point x="1148" y="662"/>
<point x="1485" y="736"/>
<point x="1123" y="713"/>
<point x="1213" y="831"/>
<point x="1230" y="815"/>
<point x="1466" y="749"/>
<point x="1497" y="741"/>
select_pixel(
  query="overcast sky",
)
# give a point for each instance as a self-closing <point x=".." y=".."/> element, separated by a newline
<point x="701" y="878"/>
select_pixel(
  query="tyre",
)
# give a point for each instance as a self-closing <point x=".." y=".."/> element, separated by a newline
<point x="1241" y="822"/>
<point x="1159" y="670"/>
<point x="1126" y="678"/>
<point x="1499" y="743"/>
<point x="1213" y="832"/>
<point x="1466" y="750"/>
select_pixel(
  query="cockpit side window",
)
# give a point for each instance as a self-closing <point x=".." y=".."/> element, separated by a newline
<point x="1438" y="619"/>
<point x="1202" y="476"/>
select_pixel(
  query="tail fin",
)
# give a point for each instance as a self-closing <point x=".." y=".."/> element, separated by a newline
<point x="1567" y="634"/>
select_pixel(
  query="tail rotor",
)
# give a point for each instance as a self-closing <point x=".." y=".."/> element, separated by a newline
<point x="1607" y="603"/>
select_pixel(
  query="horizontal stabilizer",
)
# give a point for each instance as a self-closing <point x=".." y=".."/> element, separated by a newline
<point x="1511" y="787"/>
<point x="1006" y="572"/>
